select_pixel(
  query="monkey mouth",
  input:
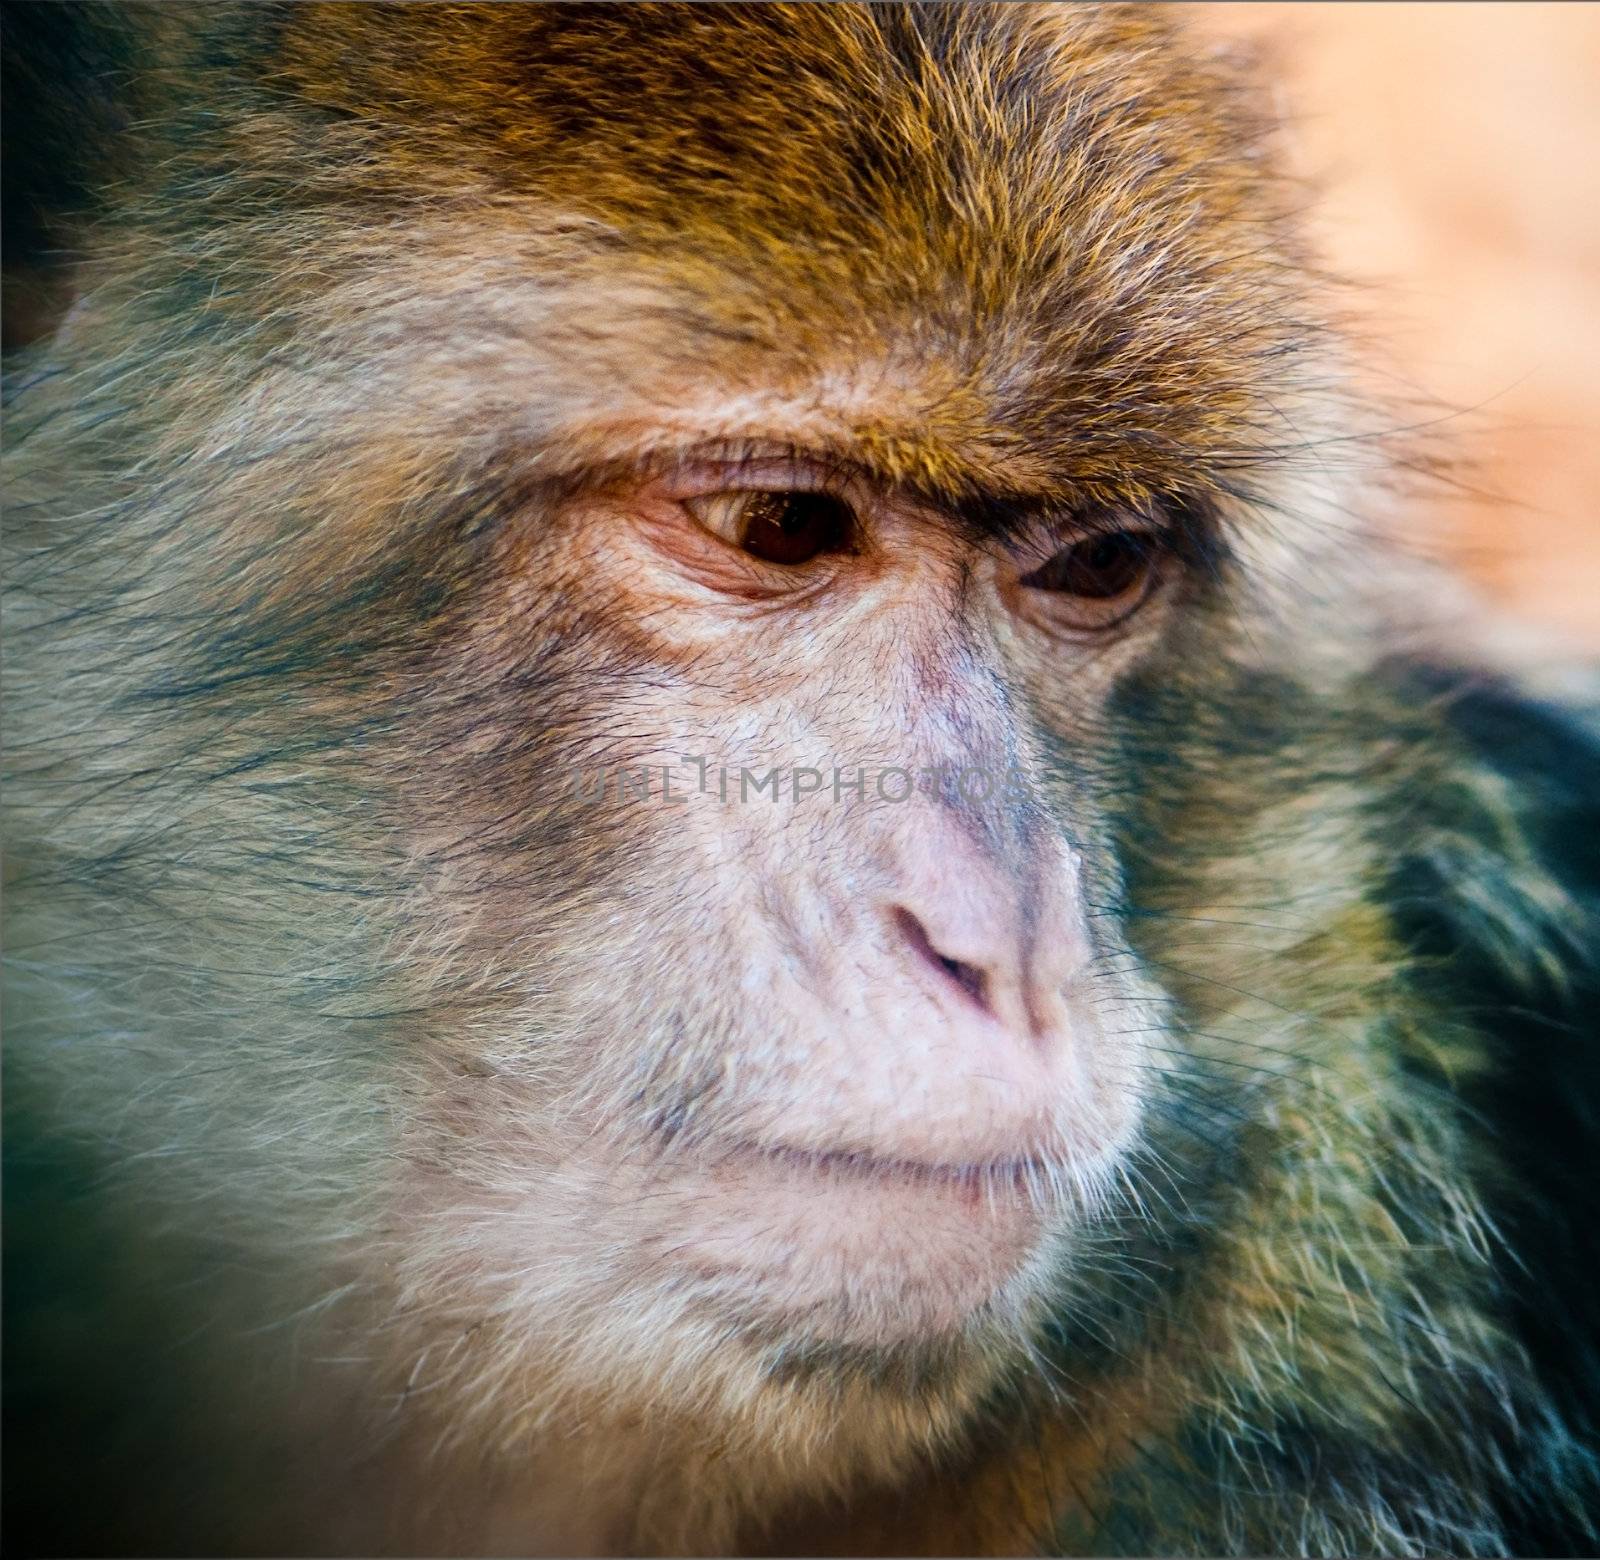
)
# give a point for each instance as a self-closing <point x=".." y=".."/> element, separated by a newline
<point x="860" y="1246"/>
<point x="1026" y="1178"/>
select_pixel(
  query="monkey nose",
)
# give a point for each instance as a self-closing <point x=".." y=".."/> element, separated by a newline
<point x="985" y="943"/>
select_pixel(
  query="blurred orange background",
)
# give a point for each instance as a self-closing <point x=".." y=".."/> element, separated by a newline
<point x="1457" y="147"/>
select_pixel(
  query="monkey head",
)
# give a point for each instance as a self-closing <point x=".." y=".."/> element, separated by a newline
<point x="818" y="481"/>
<point x="735" y="707"/>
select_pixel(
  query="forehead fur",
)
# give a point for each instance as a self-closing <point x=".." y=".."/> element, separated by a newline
<point x="1063" y="208"/>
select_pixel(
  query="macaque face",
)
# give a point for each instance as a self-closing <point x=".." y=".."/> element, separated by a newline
<point x="856" y="1065"/>
<point x="845" y="1059"/>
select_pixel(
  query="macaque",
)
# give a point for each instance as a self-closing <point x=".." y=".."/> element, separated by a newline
<point x="735" y="824"/>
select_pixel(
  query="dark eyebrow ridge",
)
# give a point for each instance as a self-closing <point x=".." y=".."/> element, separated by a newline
<point x="999" y="517"/>
<point x="1191" y="523"/>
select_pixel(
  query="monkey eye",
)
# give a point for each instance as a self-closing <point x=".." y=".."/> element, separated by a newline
<point x="1099" y="580"/>
<point x="788" y="527"/>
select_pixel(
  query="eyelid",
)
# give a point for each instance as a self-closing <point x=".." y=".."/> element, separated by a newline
<point x="1055" y="537"/>
<point x="1111" y="522"/>
<point x="729" y="465"/>
<point x="709" y="479"/>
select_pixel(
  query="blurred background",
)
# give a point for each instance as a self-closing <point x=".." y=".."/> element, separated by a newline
<point x="1458" y="150"/>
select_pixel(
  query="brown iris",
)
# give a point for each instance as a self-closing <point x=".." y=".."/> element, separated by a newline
<point x="793" y="527"/>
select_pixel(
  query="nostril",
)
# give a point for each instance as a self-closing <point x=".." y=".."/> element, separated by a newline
<point x="968" y="977"/>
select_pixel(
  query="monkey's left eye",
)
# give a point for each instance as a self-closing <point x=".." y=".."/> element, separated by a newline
<point x="1099" y="580"/>
<point x="780" y="527"/>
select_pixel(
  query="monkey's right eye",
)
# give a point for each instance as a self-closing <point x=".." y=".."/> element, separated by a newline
<point x="789" y="528"/>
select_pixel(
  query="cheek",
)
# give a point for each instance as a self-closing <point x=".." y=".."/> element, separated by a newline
<point x="1068" y="694"/>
